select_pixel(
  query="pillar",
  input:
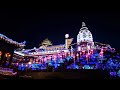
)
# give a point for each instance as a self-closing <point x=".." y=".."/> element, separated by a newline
<point x="66" y="41"/>
<point x="2" y="58"/>
<point x="10" y="61"/>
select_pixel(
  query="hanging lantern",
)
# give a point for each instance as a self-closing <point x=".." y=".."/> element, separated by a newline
<point x="77" y="55"/>
<point x="29" y="63"/>
<point x="16" y="64"/>
<point x="79" y="48"/>
<point x="83" y="51"/>
<point x="0" y="53"/>
<point x="86" y="55"/>
<point x="101" y="53"/>
<point x="80" y="53"/>
<point x="7" y="55"/>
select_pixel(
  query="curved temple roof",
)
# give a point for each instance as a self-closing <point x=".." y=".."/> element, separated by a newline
<point x="8" y="40"/>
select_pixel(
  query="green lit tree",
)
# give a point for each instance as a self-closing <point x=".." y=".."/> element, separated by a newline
<point x="46" y="42"/>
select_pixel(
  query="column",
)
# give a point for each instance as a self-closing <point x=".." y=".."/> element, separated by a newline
<point x="10" y="61"/>
<point x="2" y="58"/>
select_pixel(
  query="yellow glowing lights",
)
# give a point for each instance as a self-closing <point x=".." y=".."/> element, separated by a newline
<point x="0" y="53"/>
<point x="7" y="55"/>
<point x="29" y="63"/>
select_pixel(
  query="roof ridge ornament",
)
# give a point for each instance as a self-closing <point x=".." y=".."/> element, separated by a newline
<point x="83" y="24"/>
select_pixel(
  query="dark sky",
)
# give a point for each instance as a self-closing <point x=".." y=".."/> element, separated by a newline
<point x="35" y="24"/>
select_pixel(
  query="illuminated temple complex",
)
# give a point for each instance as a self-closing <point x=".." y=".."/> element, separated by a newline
<point x="84" y="43"/>
<point x="84" y="54"/>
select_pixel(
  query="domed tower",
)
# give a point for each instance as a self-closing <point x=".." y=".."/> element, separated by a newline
<point x="85" y="38"/>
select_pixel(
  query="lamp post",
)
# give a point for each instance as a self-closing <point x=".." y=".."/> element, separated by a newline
<point x="66" y="38"/>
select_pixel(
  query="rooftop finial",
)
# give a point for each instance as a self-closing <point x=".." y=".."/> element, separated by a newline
<point x="83" y="24"/>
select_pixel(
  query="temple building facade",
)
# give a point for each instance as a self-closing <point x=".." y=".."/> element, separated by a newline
<point x="47" y="50"/>
<point x="84" y="43"/>
<point x="85" y="53"/>
<point x="7" y="47"/>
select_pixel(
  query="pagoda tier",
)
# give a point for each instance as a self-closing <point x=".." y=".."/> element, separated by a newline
<point x="85" y="39"/>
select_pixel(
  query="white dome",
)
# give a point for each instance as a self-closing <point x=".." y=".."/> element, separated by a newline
<point x="84" y="34"/>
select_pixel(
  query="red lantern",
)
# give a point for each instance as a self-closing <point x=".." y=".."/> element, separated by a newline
<point x="0" y="53"/>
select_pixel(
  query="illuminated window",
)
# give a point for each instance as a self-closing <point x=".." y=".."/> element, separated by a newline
<point x="7" y="55"/>
<point x="84" y="35"/>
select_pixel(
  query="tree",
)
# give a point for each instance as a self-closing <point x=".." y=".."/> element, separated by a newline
<point x="46" y="42"/>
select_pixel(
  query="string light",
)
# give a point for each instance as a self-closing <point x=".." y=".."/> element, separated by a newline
<point x="8" y="40"/>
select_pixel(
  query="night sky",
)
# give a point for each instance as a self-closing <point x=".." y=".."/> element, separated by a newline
<point x="35" y="24"/>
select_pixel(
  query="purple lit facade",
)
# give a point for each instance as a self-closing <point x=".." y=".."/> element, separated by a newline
<point x="86" y="54"/>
